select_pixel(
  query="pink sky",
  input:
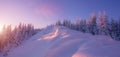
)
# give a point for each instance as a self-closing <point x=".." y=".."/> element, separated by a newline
<point x="39" y="14"/>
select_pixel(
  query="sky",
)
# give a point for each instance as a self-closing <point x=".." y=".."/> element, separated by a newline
<point x="41" y="13"/>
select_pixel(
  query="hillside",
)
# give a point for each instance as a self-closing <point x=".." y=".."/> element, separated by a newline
<point x="64" y="42"/>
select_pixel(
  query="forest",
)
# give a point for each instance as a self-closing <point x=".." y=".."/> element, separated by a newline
<point x="10" y="38"/>
<point x="101" y="25"/>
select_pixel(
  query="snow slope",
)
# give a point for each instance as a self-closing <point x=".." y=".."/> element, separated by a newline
<point x="64" y="42"/>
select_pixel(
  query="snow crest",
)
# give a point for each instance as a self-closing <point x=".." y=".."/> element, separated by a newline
<point x="64" y="42"/>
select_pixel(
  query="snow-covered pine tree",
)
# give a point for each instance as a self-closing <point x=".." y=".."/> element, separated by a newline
<point x="13" y="37"/>
<point x="64" y="22"/>
<point x="92" y="24"/>
<point x="100" y="23"/>
<point x="82" y="25"/>
<point x="58" y="23"/>
<point x="87" y="26"/>
<point x="77" y="23"/>
<point x="117" y="31"/>
<point x="105" y="23"/>
<point x="119" y="28"/>
<point x="114" y="30"/>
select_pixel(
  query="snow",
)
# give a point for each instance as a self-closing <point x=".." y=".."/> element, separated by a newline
<point x="1" y="55"/>
<point x="64" y="42"/>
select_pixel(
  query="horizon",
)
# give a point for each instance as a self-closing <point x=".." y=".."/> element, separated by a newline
<point x="41" y="13"/>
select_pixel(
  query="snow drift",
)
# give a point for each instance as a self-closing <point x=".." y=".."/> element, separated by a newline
<point x="64" y="42"/>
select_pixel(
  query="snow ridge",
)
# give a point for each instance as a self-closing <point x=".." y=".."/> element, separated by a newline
<point x="64" y="42"/>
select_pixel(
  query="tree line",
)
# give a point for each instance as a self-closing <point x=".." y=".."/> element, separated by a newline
<point x="13" y="37"/>
<point x="100" y="25"/>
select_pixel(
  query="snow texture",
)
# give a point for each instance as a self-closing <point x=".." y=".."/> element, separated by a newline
<point x="64" y="42"/>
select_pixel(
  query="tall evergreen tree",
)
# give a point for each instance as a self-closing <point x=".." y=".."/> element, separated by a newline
<point x="92" y="24"/>
<point x="77" y="23"/>
<point x="100" y="23"/>
<point x="105" y="23"/>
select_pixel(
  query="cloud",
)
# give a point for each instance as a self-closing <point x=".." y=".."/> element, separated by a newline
<point x="47" y="10"/>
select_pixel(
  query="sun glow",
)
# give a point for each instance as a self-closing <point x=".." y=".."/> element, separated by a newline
<point x="1" y="27"/>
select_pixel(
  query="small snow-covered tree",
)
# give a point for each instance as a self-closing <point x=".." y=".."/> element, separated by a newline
<point x="112" y="29"/>
<point x="58" y="23"/>
<point x="77" y="23"/>
<point x="82" y="25"/>
<point x="118" y="31"/>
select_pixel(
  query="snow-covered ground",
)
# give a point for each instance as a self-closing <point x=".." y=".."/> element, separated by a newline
<point x="64" y="42"/>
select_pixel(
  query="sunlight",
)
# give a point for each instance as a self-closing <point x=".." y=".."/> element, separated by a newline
<point x="51" y="35"/>
<point x="1" y="27"/>
<point x="79" y="55"/>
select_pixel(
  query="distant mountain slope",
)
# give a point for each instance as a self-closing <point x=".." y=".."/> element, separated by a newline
<point x="64" y="42"/>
